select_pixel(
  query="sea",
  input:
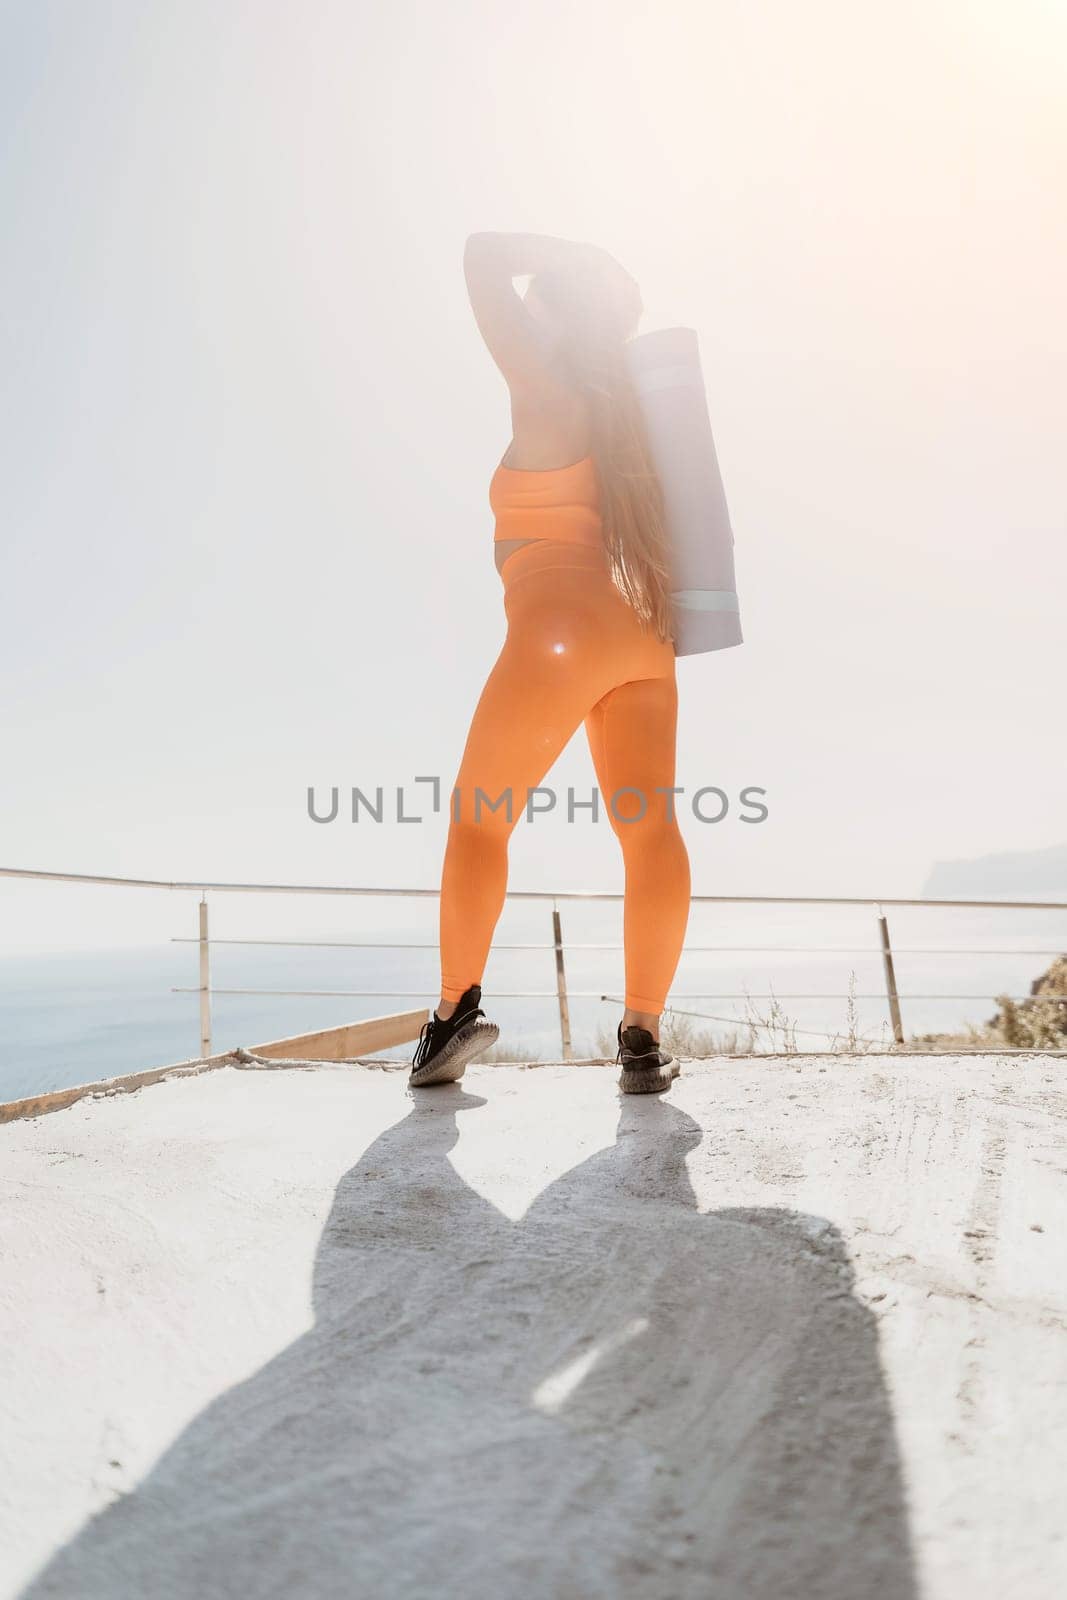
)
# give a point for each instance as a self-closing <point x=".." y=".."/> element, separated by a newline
<point x="751" y="977"/>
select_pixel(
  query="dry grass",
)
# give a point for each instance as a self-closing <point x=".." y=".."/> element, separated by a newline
<point x="1036" y="1023"/>
<point x="1039" y="1023"/>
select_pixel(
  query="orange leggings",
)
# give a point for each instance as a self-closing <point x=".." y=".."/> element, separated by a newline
<point x="574" y="652"/>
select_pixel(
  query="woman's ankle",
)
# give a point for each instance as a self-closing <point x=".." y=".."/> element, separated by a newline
<point x="642" y="1019"/>
<point x="445" y="1008"/>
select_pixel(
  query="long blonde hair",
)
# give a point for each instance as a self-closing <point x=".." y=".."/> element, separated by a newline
<point x="597" y="311"/>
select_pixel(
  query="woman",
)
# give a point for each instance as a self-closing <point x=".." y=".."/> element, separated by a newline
<point x="581" y="551"/>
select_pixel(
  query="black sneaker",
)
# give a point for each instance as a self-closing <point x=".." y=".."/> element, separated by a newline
<point x="446" y="1045"/>
<point x="646" y="1069"/>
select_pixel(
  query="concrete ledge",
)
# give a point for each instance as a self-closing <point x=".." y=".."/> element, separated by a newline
<point x="340" y="1044"/>
<point x="38" y="1105"/>
<point x="276" y="1056"/>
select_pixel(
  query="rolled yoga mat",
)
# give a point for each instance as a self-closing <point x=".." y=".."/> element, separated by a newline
<point x="666" y="371"/>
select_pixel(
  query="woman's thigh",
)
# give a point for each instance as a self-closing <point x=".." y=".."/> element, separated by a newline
<point x="632" y="734"/>
<point x="534" y="700"/>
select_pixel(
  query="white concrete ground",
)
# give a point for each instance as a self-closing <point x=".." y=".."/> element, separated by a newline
<point x="796" y="1329"/>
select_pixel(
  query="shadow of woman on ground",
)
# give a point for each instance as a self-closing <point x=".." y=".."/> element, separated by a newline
<point x="616" y="1394"/>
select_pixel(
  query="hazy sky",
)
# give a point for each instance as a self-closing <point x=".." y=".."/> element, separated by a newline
<point x="248" y="424"/>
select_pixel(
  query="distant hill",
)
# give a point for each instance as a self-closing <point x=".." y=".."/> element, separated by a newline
<point x="1014" y="875"/>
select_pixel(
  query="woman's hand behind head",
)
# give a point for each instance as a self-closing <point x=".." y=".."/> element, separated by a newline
<point x="592" y="298"/>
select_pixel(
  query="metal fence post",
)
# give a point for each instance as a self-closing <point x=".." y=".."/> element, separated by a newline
<point x="205" y="983"/>
<point x="890" y="978"/>
<point x="561" y="987"/>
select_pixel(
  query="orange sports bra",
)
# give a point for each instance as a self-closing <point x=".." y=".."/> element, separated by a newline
<point x="556" y="503"/>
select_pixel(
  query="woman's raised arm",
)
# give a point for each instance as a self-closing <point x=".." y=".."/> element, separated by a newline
<point x="521" y="347"/>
